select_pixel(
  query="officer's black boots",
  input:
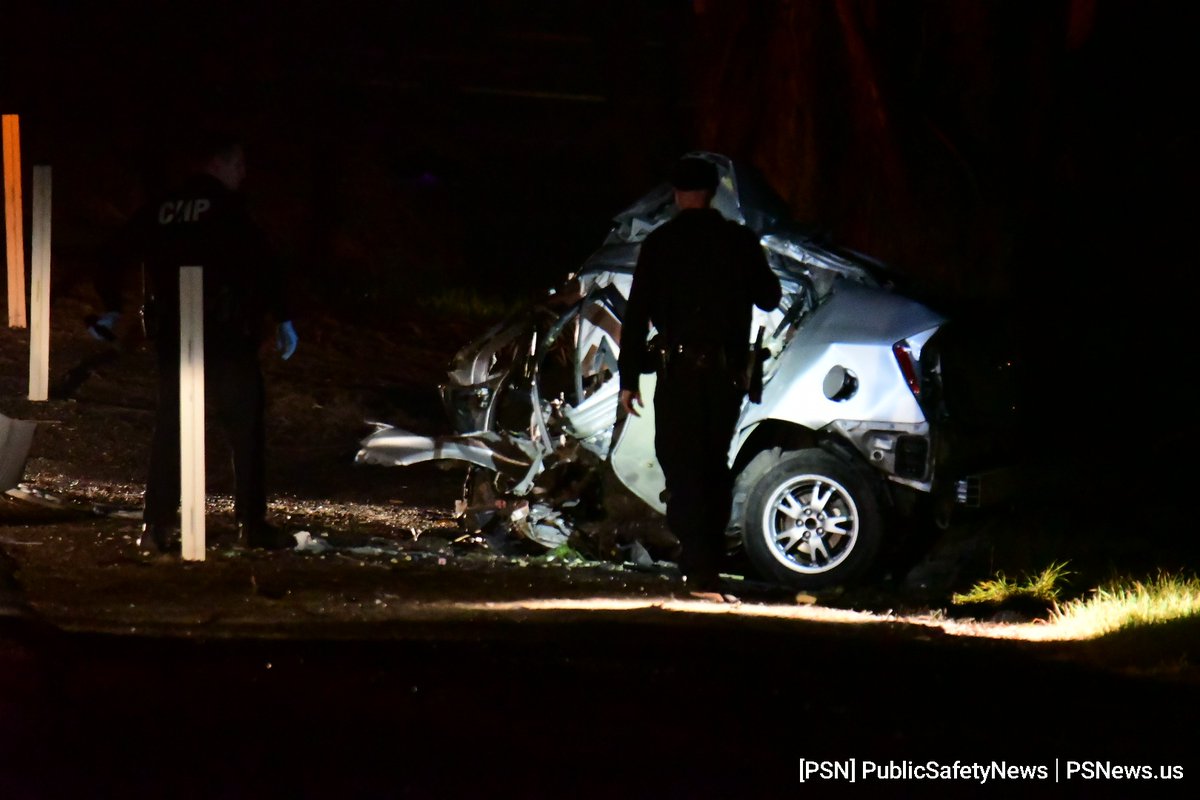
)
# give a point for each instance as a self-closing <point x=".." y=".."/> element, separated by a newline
<point x="159" y="537"/>
<point x="265" y="536"/>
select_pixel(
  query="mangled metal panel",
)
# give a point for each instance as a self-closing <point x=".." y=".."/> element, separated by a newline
<point x="591" y="421"/>
<point x="540" y="523"/>
<point x="742" y="195"/>
<point x="395" y="447"/>
<point x="16" y="437"/>
<point x="797" y="257"/>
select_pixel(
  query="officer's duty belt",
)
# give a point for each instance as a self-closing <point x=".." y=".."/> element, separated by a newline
<point x="694" y="356"/>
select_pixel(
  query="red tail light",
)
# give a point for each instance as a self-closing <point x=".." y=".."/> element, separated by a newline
<point x="908" y="366"/>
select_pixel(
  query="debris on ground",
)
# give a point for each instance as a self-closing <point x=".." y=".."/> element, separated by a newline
<point x="307" y="543"/>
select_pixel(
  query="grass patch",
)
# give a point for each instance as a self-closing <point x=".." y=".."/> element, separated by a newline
<point x="566" y="554"/>
<point x="1120" y="605"/>
<point x="1044" y="587"/>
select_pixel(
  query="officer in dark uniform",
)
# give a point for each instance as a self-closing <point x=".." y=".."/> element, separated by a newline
<point x="697" y="278"/>
<point x="205" y="224"/>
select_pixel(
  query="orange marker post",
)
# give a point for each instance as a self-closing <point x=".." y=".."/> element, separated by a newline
<point x="14" y="222"/>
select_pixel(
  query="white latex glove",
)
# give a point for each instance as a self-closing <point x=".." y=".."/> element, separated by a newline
<point x="103" y="327"/>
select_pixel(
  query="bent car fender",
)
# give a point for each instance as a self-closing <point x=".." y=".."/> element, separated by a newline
<point x="853" y="330"/>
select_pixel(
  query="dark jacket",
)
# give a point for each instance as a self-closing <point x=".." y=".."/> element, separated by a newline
<point x="697" y="278"/>
<point x="202" y="224"/>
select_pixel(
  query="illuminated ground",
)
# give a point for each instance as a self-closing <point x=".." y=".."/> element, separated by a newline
<point x="369" y="680"/>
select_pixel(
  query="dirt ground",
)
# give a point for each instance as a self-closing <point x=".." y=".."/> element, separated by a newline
<point x="380" y="538"/>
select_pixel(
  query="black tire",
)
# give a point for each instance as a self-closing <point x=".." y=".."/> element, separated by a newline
<point x="830" y="542"/>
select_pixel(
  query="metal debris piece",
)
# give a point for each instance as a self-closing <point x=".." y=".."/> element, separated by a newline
<point x="38" y="497"/>
<point x="16" y="435"/>
<point x="637" y="554"/>
<point x="540" y="524"/>
<point x="307" y="543"/>
<point x="367" y="551"/>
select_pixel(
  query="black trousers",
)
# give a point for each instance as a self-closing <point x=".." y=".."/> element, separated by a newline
<point x="233" y="385"/>
<point x="695" y="410"/>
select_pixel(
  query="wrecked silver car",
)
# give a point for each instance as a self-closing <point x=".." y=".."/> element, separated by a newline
<point x="852" y="431"/>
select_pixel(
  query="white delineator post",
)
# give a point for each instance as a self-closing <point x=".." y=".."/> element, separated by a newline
<point x="191" y="410"/>
<point x="39" y="289"/>
<point x="14" y="222"/>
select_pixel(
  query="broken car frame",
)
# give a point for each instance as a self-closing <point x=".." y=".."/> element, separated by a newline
<point x="852" y="428"/>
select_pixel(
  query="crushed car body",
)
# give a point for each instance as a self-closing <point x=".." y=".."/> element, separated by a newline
<point x="852" y="427"/>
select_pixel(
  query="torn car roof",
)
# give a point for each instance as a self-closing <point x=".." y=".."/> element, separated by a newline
<point x="743" y="196"/>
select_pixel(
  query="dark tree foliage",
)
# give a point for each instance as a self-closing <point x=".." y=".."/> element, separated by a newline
<point x="973" y="144"/>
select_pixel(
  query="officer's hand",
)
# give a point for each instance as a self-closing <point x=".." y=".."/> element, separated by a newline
<point x="103" y="327"/>
<point x="286" y="340"/>
<point x="628" y="397"/>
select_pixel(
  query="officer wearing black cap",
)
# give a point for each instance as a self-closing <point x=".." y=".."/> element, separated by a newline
<point x="204" y="223"/>
<point x="697" y="278"/>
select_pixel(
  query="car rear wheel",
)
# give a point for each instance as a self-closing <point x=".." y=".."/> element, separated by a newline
<point x="812" y="520"/>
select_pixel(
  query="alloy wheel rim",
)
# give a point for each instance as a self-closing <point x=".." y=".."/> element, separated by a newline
<point x="810" y="524"/>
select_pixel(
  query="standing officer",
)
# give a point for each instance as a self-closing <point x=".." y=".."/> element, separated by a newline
<point x="205" y="224"/>
<point x="697" y="278"/>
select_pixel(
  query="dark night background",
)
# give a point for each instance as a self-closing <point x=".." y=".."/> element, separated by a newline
<point x="1032" y="159"/>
